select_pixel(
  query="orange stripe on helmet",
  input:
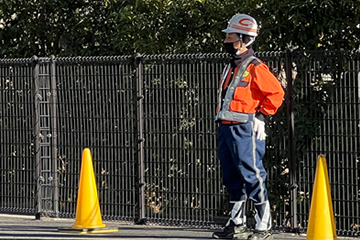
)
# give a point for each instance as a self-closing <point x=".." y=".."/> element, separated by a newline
<point x="244" y="28"/>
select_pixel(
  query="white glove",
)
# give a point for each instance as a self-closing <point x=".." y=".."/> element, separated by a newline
<point x="259" y="129"/>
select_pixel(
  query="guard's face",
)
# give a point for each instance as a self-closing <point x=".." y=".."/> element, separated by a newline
<point x="233" y="38"/>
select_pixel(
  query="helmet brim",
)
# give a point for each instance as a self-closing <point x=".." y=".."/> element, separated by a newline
<point x="229" y="30"/>
<point x="234" y="30"/>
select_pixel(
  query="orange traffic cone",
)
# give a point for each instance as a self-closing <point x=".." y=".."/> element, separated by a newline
<point x="321" y="223"/>
<point x="88" y="216"/>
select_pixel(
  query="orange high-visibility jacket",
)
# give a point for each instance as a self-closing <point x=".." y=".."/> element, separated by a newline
<point x="253" y="88"/>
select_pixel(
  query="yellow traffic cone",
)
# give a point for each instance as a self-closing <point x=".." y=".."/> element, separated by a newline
<point x="88" y="216"/>
<point x="87" y="209"/>
<point x="321" y="225"/>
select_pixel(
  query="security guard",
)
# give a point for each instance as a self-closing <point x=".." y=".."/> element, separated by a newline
<point x="247" y="92"/>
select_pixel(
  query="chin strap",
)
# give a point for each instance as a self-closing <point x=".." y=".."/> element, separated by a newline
<point x="252" y="39"/>
<point x="241" y="45"/>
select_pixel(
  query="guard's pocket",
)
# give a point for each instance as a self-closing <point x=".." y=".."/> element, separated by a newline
<point x="242" y="130"/>
<point x="245" y="127"/>
<point x="243" y="101"/>
<point x="242" y="93"/>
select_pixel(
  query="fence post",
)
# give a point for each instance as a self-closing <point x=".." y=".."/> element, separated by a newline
<point x="45" y="144"/>
<point x="140" y="218"/>
<point x="37" y="98"/>
<point x="53" y="116"/>
<point x="291" y="142"/>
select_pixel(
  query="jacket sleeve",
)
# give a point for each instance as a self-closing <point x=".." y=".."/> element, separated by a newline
<point x="269" y="88"/>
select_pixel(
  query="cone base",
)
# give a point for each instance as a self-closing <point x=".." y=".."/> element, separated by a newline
<point x="321" y="238"/>
<point x="79" y="226"/>
<point x="87" y="230"/>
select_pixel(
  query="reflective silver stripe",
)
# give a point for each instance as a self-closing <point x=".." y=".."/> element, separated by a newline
<point x="225" y="113"/>
<point x="238" y="212"/>
<point x="233" y="116"/>
<point x="257" y="171"/>
<point x="223" y="78"/>
<point x="263" y="216"/>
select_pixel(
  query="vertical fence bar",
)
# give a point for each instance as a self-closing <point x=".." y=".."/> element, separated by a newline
<point x="291" y="146"/>
<point x="53" y="98"/>
<point x="358" y="86"/>
<point x="46" y="173"/>
<point x="140" y="139"/>
<point x="37" y="155"/>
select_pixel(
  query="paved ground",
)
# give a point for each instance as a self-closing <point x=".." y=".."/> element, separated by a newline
<point x="26" y="227"/>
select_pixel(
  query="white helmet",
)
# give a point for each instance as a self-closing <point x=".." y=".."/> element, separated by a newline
<point x="243" y="24"/>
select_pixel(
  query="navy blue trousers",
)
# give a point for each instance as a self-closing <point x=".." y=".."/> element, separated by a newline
<point x="241" y="155"/>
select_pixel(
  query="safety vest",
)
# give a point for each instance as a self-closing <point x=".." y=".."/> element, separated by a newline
<point x="225" y="113"/>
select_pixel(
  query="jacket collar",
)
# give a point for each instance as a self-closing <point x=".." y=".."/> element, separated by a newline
<point x="237" y="60"/>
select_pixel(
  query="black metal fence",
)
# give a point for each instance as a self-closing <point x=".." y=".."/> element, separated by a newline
<point x="149" y="122"/>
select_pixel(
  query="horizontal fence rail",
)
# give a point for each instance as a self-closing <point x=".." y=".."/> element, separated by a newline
<point x="149" y="122"/>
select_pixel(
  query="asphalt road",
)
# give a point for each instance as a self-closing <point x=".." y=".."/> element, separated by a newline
<point x="26" y="227"/>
